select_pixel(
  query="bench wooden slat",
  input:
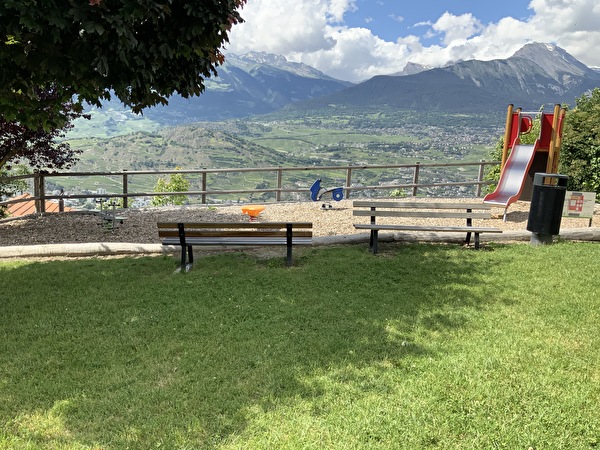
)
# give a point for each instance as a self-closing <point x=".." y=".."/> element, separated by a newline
<point x="233" y="234"/>
<point x="427" y="228"/>
<point x="226" y="225"/>
<point x="215" y="240"/>
<point x="419" y="205"/>
<point x="432" y="214"/>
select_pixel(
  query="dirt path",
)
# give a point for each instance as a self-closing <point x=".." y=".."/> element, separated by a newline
<point x="139" y="225"/>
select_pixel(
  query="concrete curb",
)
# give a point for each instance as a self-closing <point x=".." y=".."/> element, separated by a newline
<point x="84" y="249"/>
<point x="122" y="248"/>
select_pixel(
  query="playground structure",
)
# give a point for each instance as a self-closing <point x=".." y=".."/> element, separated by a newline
<point x="252" y="211"/>
<point x="520" y="162"/>
<point x="317" y="192"/>
<point x="109" y="217"/>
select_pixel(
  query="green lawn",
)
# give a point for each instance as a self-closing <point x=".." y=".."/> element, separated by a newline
<point x="421" y="346"/>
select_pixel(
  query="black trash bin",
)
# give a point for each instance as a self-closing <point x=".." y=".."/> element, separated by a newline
<point x="547" y="200"/>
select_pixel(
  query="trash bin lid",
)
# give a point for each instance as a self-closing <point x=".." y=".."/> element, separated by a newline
<point x="561" y="180"/>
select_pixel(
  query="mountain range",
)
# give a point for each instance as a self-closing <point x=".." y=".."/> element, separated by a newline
<point x="259" y="83"/>
<point x="538" y="74"/>
<point x="251" y="84"/>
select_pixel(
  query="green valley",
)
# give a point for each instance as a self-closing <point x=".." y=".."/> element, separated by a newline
<point x="334" y="138"/>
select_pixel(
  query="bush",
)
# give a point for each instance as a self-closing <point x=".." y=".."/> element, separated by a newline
<point x="176" y="183"/>
<point x="580" y="152"/>
<point x="10" y="188"/>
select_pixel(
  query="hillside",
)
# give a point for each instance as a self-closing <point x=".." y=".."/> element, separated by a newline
<point x="346" y="137"/>
<point x="190" y="146"/>
<point x="355" y="138"/>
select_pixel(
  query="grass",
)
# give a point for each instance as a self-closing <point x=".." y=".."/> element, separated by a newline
<point x="422" y="346"/>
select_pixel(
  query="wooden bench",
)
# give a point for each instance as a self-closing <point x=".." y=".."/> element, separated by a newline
<point x="429" y="210"/>
<point x="187" y="235"/>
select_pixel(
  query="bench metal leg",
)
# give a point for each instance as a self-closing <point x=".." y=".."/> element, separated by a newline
<point x="190" y="255"/>
<point x="190" y="258"/>
<point x="183" y="249"/>
<point x="469" y="224"/>
<point x="475" y="241"/>
<point x="375" y="237"/>
<point x="288" y="241"/>
<point x="186" y="262"/>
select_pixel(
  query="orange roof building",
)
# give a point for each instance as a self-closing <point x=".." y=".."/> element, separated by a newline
<point x="24" y="208"/>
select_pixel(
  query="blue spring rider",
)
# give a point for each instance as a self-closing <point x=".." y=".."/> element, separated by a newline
<point x="317" y="192"/>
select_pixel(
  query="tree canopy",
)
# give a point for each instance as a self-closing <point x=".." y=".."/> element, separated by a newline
<point x="142" y="51"/>
<point x="40" y="147"/>
<point x="580" y="150"/>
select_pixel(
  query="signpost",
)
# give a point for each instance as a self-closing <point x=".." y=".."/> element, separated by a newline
<point x="579" y="204"/>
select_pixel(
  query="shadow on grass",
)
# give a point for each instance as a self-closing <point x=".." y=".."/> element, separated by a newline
<point x="126" y="353"/>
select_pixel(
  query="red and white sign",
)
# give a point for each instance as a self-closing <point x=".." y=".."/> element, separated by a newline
<point x="579" y="204"/>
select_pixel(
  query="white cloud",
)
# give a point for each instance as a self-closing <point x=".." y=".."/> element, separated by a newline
<point x="456" y="28"/>
<point x="280" y="27"/>
<point x="562" y="16"/>
<point x="572" y="24"/>
<point x="337" y="8"/>
<point x="314" y="32"/>
<point x="351" y="45"/>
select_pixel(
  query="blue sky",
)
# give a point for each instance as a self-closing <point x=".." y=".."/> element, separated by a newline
<point x="393" y="19"/>
<point x="357" y="39"/>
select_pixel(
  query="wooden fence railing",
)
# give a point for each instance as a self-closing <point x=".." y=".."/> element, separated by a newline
<point x="40" y="180"/>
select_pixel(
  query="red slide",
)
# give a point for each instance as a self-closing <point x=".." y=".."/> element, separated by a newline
<point x="513" y="175"/>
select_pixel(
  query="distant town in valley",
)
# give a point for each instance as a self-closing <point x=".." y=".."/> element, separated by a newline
<point x="262" y="111"/>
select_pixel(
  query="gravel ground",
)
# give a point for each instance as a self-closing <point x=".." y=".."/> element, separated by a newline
<point x="139" y="225"/>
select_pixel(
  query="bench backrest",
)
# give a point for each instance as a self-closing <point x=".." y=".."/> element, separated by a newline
<point x="254" y="230"/>
<point x="421" y="209"/>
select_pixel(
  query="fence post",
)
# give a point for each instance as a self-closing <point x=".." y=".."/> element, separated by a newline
<point x="203" y="188"/>
<point x="279" y="181"/>
<point x="61" y="202"/>
<point x="125" y="189"/>
<point x="39" y="192"/>
<point x="36" y="191"/>
<point x="480" y="178"/>
<point x="348" y="181"/>
<point x="416" y="178"/>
